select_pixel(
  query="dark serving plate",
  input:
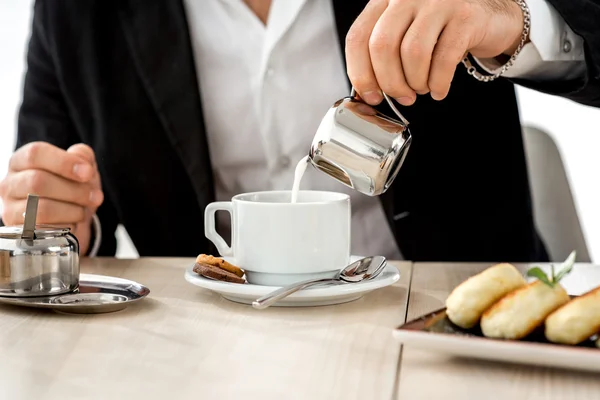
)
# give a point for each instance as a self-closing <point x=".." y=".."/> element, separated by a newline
<point x="435" y="332"/>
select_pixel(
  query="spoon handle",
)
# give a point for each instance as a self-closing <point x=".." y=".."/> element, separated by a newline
<point x="269" y="299"/>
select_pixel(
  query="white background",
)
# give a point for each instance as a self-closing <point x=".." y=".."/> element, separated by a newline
<point x="575" y="128"/>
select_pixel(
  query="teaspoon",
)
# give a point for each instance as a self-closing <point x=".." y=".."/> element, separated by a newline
<point x="361" y="270"/>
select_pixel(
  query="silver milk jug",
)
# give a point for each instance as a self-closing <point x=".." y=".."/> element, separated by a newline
<point x="359" y="146"/>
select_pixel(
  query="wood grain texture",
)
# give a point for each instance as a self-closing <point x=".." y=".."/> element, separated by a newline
<point x="426" y="375"/>
<point x="185" y="342"/>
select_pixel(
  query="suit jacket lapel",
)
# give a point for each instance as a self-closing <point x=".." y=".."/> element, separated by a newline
<point x="158" y="37"/>
<point x="345" y="13"/>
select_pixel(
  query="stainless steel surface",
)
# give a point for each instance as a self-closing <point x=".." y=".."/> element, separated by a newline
<point x="41" y="231"/>
<point x="390" y="103"/>
<point x="359" y="146"/>
<point x="96" y="294"/>
<point x="37" y="260"/>
<point x="30" y="217"/>
<point x="363" y="269"/>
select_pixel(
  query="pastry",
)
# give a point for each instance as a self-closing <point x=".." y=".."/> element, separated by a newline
<point x="217" y="273"/>
<point x="518" y="313"/>
<point x="469" y="300"/>
<point x="219" y="262"/>
<point x="576" y="321"/>
<point x="521" y="311"/>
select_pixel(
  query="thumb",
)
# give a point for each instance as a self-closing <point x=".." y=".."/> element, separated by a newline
<point x="84" y="151"/>
<point x="87" y="153"/>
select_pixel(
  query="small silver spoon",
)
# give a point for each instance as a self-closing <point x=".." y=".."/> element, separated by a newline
<point x="361" y="270"/>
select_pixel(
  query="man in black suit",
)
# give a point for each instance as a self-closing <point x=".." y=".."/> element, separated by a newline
<point x="112" y="128"/>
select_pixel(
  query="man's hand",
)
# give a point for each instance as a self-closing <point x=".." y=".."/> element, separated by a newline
<point x="409" y="47"/>
<point x="67" y="182"/>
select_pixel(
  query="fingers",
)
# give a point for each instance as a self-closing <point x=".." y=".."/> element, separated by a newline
<point x="409" y="47"/>
<point x="358" y="60"/>
<point x="449" y="51"/>
<point x="18" y="185"/>
<point x="49" y="212"/>
<point x="418" y="44"/>
<point x="384" y="50"/>
<point x="67" y="183"/>
<point x="44" y="156"/>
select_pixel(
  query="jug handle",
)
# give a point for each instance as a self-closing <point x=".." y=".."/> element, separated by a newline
<point x="391" y="104"/>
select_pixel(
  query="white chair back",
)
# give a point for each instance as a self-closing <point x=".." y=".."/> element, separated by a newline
<point x="554" y="207"/>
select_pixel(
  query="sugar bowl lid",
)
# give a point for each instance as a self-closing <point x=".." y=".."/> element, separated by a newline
<point x="41" y="231"/>
<point x="29" y="230"/>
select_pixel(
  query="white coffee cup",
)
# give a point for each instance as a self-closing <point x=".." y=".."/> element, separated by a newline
<point x="278" y="242"/>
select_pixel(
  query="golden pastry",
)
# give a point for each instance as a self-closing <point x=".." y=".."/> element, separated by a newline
<point x="576" y="321"/>
<point x="469" y="300"/>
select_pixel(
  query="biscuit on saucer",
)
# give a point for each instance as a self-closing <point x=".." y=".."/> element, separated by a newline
<point x="212" y="272"/>
<point x="220" y="263"/>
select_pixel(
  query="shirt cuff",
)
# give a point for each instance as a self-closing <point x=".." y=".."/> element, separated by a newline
<point x="554" y="51"/>
<point x="97" y="236"/>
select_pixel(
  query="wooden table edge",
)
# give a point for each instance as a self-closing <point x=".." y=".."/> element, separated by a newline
<point x="396" y="387"/>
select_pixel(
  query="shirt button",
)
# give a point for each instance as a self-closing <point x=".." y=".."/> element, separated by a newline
<point x="270" y="72"/>
<point x="284" y="162"/>
<point x="566" y="46"/>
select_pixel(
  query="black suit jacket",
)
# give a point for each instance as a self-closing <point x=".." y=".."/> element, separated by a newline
<point x="119" y="75"/>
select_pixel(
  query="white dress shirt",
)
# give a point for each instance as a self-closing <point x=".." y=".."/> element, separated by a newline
<point x="265" y="89"/>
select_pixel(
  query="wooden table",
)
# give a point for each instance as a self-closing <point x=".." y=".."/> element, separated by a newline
<point x="425" y="375"/>
<point x="184" y="342"/>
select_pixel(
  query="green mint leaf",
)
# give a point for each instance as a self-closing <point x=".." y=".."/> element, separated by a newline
<point x="536" y="272"/>
<point x="565" y="267"/>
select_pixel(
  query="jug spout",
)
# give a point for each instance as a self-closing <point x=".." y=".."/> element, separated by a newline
<point x="359" y="146"/>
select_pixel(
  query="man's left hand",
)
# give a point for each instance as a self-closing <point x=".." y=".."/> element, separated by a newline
<point x="409" y="47"/>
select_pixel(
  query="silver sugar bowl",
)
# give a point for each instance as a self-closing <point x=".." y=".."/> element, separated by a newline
<point x="37" y="260"/>
<point x="359" y="146"/>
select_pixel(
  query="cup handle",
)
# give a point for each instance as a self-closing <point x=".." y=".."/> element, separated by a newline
<point x="210" y="230"/>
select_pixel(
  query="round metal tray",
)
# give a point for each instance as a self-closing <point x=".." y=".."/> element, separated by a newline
<point x="96" y="294"/>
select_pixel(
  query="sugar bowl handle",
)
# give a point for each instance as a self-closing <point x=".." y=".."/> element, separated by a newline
<point x="210" y="230"/>
<point x="30" y="216"/>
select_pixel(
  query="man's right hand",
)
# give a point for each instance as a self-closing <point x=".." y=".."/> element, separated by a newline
<point x="67" y="182"/>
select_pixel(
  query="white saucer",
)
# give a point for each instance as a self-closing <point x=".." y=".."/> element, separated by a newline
<point x="316" y="296"/>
